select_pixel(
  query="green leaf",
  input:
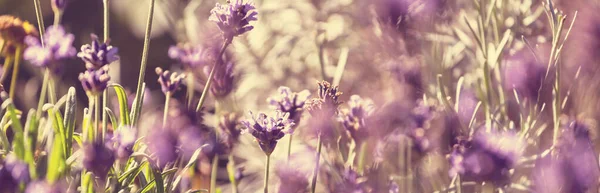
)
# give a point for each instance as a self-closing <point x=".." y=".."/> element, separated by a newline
<point x="123" y="104"/>
<point x="112" y="117"/>
<point x="87" y="183"/>
<point x="18" y="142"/>
<point x="69" y="122"/>
<point x="30" y="140"/>
<point x="56" y="162"/>
<point x="197" y="191"/>
<point x="137" y="105"/>
<point x="128" y="176"/>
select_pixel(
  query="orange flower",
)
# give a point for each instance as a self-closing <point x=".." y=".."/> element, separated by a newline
<point x="13" y="32"/>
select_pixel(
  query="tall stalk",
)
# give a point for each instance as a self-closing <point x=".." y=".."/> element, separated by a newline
<point x="266" y="184"/>
<point x="212" y="73"/>
<point x="313" y="183"/>
<point x="138" y="92"/>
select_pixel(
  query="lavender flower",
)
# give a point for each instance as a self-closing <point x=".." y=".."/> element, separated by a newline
<point x="222" y="79"/>
<point x="292" y="179"/>
<point x="59" y="5"/>
<point x="13" y="172"/>
<point x="422" y="116"/>
<point x="95" y="81"/>
<point x="98" y="158"/>
<point x="289" y="102"/>
<point x="233" y="18"/>
<point x="162" y="144"/>
<point x="169" y="82"/>
<point x="353" y="119"/>
<point x="351" y="182"/>
<point x="228" y="129"/>
<point x="125" y="139"/>
<point x="327" y="101"/>
<point x="96" y="54"/>
<point x="268" y="130"/>
<point x="489" y="157"/>
<point x="58" y="46"/>
<point x="191" y="56"/>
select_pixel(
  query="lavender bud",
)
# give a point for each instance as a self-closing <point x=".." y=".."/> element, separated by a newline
<point x="95" y="81"/>
<point x="96" y="54"/>
<point x="268" y="130"/>
<point x="58" y="5"/>
<point x="58" y="45"/>
<point x="233" y="18"/>
<point x="289" y="102"/>
<point x="162" y="144"/>
<point x="169" y="82"/>
<point x="98" y="158"/>
<point x="222" y="80"/>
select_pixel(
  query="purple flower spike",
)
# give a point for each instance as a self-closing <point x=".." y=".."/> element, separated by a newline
<point x="58" y="46"/>
<point x="98" y="158"/>
<point x="289" y="102"/>
<point x="162" y="144"/>
<point x="268" y="130"/>
<point x="169" y="82"/>
<point x="98" y="54"/>
<point x="327" y="101"/>
<point x="95" y="81"/>
<point x="353" y="119"/>
<point x="233" y="18"/>
<point x="190" y="56"/>
<point x="222" y="80"/>
<point x="125" y="139"/>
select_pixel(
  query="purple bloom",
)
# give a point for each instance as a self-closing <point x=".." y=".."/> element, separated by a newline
<point x="13" y="172"/>
<point x="422" y="115"/>
<point x="394" y="188"/>
<point x="169" y="82"/>
<point x="59" y="5"/>
<point x="98" y="158"/>
<point x="162" y="144"/>
<point x="488" y="157"/>
<point x="58" y="46"/>
<point x="289" y="102"/>
<point x="353" y="119"/>
<point x="233" y="18"/>
<point x="95" y="81"/>
<point x="190" y="139"/>
<point x="268" y="130"/>
<point x="222" y="79"/>
<point x="327" y="101"/>
<point x="228" y="129"/>
<point x="191" y="56"/>
<point x="98" y="54"/>
<point x="125" y="139"/>
<point x="292" y="179"/>
<point x="351" y="182"/>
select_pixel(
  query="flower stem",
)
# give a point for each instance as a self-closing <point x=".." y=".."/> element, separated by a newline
<point x="98" y="135"/>
<point x="57" y="17"/>
<point x="231" y="171"/>
<point x="166" y="111"/>
<point x="290" y="147"/>
<point x="104" y="114"/>
<point x="316" y="170"/>
<point x="213" y="174"/>
<point x="7" y="65"/>
<point x="266" y="184"/>
<point x="361" y="157"/>
<point x="190" y="89"/>
<point x="43" y="93"/>
<point x="15" y="74"/>
<point x="212" y="73"/>
<point x="138" y="92"/>
<point x="51" y="88"/>
<point x="40" y="19"/>
<point x="106" y="20"/>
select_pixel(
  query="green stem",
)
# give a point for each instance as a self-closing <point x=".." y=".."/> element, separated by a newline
<point x="166" y="110"/>
<point x="57" y="17"/>
<point x="190" y="89"/>
<point x="40" y="19"/>
<point x="104" y="114"/>
<point x="361" y="157"/>
<point x="52" y="89"/>
<point x="213" y="174"/>
<point x="15" y="74"/>
<point x="106" y="20"/>
<point x="43" y="93"/>
<point x="7" y="65"/>
<point x="138" y="92"/>
<point x="266" y="184"/>
<point x="231" y="171"/>
<point x="313" y="183"/>
<point x="212" y="73"/>
<point x="98" y="135"/>
<point x="289" y="153"/>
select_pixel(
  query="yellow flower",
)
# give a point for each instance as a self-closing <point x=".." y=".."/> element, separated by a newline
<point x="13" y="32"/>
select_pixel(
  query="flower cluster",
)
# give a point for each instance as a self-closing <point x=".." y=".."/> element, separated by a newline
<point x="222" y="79"/>
<point x="327" y="101"/>
<point x="268" y="130"/>
<point x="12" y="173"/>
<point x="57" y="46"/>
<point x="169" y="82"/>
<point x="289" y="102"/>
<point x="233" y="18"/>
<point x="354" y="119"/>
<point x="98" y="158"/>
<point x="191" y="56"/>
<point x="95" y="81"/>
<point x="97" y="55"/>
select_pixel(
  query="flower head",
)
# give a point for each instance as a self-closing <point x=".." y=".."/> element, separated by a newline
<point x="353" y="119"/>
<point x="328" y="99"/>
<point x="125" y="139"/>
<point x="12" y="173"/>
<point x="59" y="5"/>
<point x="292" y="179"/>
<point x="98" y="158"/>
<point x="268" y="130"/>
<point x="169" y="82"/>
<point x="289" y="102"/>
<point x="191" y="56"/>
<point x="233" y="18"/>
<point x="58" y="45"/>
<point x="14" y="30"/>
<point x="222" y="79"/>
<point x="96" y="54"/>
<point x="95" y="81"/>
<point x="228" y="129"/>
<point x="162" y="144"/>
<point x="351" y="182"/>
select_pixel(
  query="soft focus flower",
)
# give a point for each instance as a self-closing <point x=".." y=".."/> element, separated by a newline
<point x="228" y="129"/>
<point x="125" y="139"/>
<point x="233" y="18"/>
<point x="488" y="157"/>
<point x="13" y="172"/>
<point x="58" y="45"/>
<point x="422" y="116"/>
<point x="191" y="56"/>
<point x="169" y="82"/>
<point x="14" y="30"/>
<point x="162" y="144"/>
<point x="268" y="130"/>
<point x="222" y="79"/>
<point x="353" y="119"/>
<point x="291" y="178"/>
<point x="289" y="102"/>
<point x="45" y="187"/>
<point x="98" y="158"/>
<point x="351" y="182"/>
<point x="95" y="81"/>
<point x="328" y="99"/>
<point x="394" y="188"/>
<point x="96" y="54"/>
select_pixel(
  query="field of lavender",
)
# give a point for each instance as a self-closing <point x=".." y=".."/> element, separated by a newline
<point x="299" y="96"/>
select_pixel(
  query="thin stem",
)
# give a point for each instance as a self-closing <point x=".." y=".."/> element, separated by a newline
<point x="138" y="92"/>
<point x="213" y="174"/>
<point x="313" y="183"/>
<point x="212" y="73"/>
<point x="361" y="157"/>
<point x="57" y="17"/>
<point x="104" y="114"/>
<point x="7" y="65"/>
<point x="15" y="74"/>
<point x="231" y="171"/>
<point x="190" y="89"/>
<point x="43" y="93"/>
<point x="51" y="88"/>
<point x="289" y="153"/>
<point x="106" y="20"/>
<point x="166" y="110"/>
<point x="40" y="20"/>
<point x="266" y="184"/>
